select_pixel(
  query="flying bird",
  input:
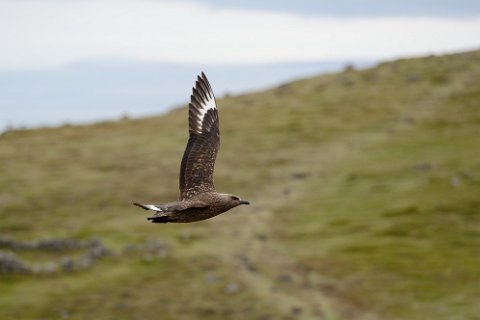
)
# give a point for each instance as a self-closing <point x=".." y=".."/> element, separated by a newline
<point x="198" y="198"/>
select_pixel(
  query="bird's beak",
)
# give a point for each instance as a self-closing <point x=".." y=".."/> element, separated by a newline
<point x="244" y="202"/>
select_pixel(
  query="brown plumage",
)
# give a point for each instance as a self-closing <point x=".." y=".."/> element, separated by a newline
<point x="198" y="198"/>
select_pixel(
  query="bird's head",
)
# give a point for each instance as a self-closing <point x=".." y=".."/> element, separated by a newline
<point x="234" y="200"/>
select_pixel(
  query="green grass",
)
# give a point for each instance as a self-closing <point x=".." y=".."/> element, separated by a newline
<point x="364" y="188"/>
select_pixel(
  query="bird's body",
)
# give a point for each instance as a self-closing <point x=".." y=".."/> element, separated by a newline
<point x="198" y="198"/>
<point x="201" y="207"/>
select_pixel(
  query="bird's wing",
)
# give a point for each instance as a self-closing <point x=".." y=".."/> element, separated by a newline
<point x="196" y="170"/>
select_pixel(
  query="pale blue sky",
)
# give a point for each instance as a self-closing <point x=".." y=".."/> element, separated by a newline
<point x="349" y="8"/>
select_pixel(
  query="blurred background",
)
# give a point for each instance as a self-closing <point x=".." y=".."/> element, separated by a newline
<point x="351" y="127"/>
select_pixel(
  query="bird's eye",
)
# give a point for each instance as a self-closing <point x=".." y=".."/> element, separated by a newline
<point x="235" y="198"/>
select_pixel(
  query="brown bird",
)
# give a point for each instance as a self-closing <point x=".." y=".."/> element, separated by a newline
<point x="198" y="198"/>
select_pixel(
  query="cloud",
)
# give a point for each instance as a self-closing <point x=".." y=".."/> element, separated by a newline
<point x="53" y="33"/>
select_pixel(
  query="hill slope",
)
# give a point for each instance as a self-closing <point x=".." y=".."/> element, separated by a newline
<point x="364" y="188"/>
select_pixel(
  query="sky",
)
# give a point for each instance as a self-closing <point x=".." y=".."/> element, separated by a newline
<point x="44" y="44"/>
<point x="351" y="8"/>
<point x="55" y="33"/>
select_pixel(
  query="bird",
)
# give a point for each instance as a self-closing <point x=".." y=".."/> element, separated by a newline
<point x="198" y="198"/>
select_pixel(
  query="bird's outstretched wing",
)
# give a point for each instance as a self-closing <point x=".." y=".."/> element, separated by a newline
<point x="196" y="170"/>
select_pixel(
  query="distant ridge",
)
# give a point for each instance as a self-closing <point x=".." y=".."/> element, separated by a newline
<point x="107" y="90"/>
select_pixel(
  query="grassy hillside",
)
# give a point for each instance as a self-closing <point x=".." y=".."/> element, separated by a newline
<point x="365" y="205"/>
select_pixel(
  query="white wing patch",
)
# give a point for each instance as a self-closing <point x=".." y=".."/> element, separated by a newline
<point x="152" y="207"/>
<point x="205" y="106"/>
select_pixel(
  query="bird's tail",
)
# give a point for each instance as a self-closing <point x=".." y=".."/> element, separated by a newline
<point x="153" y="207"/>
<point x="160" y="219"/>
<point x="161" y="212"/>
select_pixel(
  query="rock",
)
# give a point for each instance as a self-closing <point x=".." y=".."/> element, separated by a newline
<point x="455" y="181"/>
<point x="9" y="263"/>
<point x="94" y="242"/>
<point x="64" y="314"/>
<point x="6" y="241"/>
<point x="67" y="264"/>
<point x="413" y="77"/>
<point x="162" y="252"/>
<point x="185" y="236"/>
<point x="262" y="237"/>
<point x="156" y="247"/>
<point x="84" y="263"/>
<point x="232" y="287"/>
<point x="422" y="166"/>
<point x="50" y="268"/>
<point x="211" y="277"/>
<point x="247" y="263"/>
<point x="129" y="248"/>
<point x="147" y="257"/>
<point x="97" y="252"/>
<point x="284" y="278"/>
<point x="296" y="311"/>
<point x="36" y="269"/>
<point x="299" y="175"/>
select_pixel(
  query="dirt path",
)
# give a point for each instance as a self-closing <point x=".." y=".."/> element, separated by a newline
<point x="273" y="275"/>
